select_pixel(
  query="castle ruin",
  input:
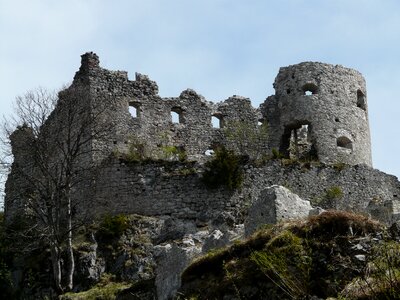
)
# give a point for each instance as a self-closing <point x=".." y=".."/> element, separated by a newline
<point x="319" y="113"/>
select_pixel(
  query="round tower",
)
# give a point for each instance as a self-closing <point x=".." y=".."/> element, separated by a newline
<point x="319" y="111"/>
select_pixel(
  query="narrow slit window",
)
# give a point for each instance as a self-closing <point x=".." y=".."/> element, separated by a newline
<point x="361" y="100"/>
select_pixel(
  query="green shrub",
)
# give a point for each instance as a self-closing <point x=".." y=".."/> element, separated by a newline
<point x="136" y="152"/>
<point x="223" y="170"/>
<point x="276" y="154"/>
<point x="334" y="193"/>
<point x="113" y="226"/>
<point x="173" y="153"/>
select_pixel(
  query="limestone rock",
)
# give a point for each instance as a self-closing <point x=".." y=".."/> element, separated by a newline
<point x="217" y="239"/>
<point x="171" y="261"/>
<point x="316" y="211"/>
<point x="274" y="204"/>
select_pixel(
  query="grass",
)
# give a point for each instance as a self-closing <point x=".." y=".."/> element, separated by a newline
<point x="106" y="289"/>
<point x="334" y="192"/>
<point x="382" y="277"/>
<point x="290" y="260"/>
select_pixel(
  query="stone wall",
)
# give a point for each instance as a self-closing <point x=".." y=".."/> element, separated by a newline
<point x="175" y="189"/>
<point x="139" y="115"/>
<point x="330" y="124"/>
<point x="330" y="103"/>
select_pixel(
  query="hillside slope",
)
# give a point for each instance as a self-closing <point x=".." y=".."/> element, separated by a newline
<point x="336" y="254"/>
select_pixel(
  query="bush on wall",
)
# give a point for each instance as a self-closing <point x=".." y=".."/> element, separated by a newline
<point x="223" y="170"/>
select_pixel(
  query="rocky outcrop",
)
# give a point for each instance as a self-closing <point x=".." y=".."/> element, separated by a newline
<point x="173" y="258"/>
<point x="171" y="262"/>
<point x="335" y="254"/>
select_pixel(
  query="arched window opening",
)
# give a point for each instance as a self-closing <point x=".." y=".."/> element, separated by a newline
<point x="344" y="142"/>
<point x="177" y="115"/>
<point x="134" y="110"/>
<point x="361" y="100"/>
<point x="309" y="89"/>
<point x="217" y="121"/>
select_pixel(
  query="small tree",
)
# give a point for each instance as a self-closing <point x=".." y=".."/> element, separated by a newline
<point x="223" y="170"/>
<point x="52" y="152"/>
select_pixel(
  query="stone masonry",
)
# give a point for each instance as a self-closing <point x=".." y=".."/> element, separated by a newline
<point x="319" y="112"/>
<point x="330" y="103"/>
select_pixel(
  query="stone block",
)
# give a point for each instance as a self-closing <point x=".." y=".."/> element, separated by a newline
<point x="275" y="203"/>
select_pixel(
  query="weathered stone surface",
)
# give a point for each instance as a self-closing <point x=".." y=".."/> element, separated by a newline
<point x="316" y="211"/>
<point x="329" y="103"/>
<point x="89" y="267"/>
<point x="171" y="261"/>
<point x="216" y="239"/>
<point x="330" y="125"/>
<point x="275" y="204"/>
<point x="333" y="123"/>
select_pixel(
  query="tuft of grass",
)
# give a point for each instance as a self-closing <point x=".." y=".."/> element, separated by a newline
<point x="276" y="154"/>
<point x="173" y="153"/>
<point x="339" y="166"/>
<point x="286" y="261"/>
<point x="334" y="192"/>
<point x="98" y="292"/>
<point x="332" y="223"/>
<point x="382" y="277"/>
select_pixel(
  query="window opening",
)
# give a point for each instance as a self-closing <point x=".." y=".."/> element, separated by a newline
<point x="344" y="142"/>
<point x="361" y="100"/>
<point x="176" y="115"/>
<point x="309" y="89"/>
<point x="296" y="142"/>
<point x="134" y="110"/>
<point x="216" y="121"/>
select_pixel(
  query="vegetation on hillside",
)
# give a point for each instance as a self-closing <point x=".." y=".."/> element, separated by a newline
<point x="336" y="254"/>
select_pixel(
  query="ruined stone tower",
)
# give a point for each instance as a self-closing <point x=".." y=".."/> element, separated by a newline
<point x="319" y="111"/>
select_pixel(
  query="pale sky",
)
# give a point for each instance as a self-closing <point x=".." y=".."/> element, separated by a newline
<point x="216" y="47"/>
